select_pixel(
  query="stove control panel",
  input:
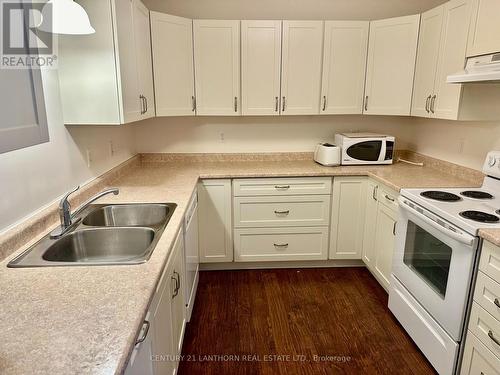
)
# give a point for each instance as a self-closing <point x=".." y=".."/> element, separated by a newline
<point x="491" y="165"/>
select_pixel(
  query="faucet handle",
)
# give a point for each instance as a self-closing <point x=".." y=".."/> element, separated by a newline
<point x="64" y="199"/>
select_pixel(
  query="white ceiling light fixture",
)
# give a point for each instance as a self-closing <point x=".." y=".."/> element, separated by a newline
<point x="65" y="17"/>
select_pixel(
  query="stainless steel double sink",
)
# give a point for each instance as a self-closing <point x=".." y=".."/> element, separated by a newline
<point x="105" y="234"/>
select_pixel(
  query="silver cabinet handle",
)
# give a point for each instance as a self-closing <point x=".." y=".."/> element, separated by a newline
<point x="493" y="338"/>
<point x="497" y="302"/>
<point x="282" y="187"/>
<point x="366" y="103"/>
<point x="193" y="103"/>
<point x="276" y="104"/>
<point x="427" y="103"/>
<point x="283" y="104"/>
<point x="141" y="99"/>
<point x="324" y="103"/>
<point x="146" y="104"/>
<point x="374" y="194"/>
<point x="177" y="282"/>
<point x="389" y="198"/>
<point x="280" y="245"/>
<point x="282" y="212"/>
<point x="394" y="228"/>
<point x="236" y="104"/>
<point x="433" y="102"/>
<point x="144" y="333"/>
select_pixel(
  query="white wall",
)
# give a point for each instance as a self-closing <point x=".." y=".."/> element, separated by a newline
<point x="461" y="142"/>
<point x="258" y="134"/>
<point x="33" y="177"/>
<point x="292" y="9"/>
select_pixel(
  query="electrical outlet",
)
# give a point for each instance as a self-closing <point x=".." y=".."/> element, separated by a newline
<point x="222" y="137"/>
<point x="461" y="146"/>
<point x="111" y="148"/>
<point x="89" y="158"/>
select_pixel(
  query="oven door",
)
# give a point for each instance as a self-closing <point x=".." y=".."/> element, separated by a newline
<point x="364" y="151"/>
<point x="433" y="260"/>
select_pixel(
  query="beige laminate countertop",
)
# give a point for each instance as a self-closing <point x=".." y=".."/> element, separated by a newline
<point x="84" y="320"/>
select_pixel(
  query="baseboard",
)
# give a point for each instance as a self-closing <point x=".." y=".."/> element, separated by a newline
<point x="285" y="264"/>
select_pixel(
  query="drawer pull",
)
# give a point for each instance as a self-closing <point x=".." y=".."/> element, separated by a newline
<point x="497" y="302"/>
<point x="282" y="187"/>
<point x="389" y="198"/>
<point x="280" y="245"/>
<point x="493" y="338"/>
<point x="282" y="212"/>
<point x="144" y="333"/>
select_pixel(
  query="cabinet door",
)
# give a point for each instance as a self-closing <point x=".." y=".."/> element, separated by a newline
<point x="451" y="58"/>
<point x="425" y="70"/>
<point x="301" y="67"/>
<point x="391" y="65"/>
<point x="348" y="217"/>
<point x="172" y="41"/>
<point x="163" y="341"/>
<point x="344" y="67"/>
<point x="385" y="233"/>
<point x="142" y="37"/>
<point x="260" y="67"/>
<point x="217" y="67"/>
<point x="215" y="227"/>
<point x="177" y="288"/>
<point x="485" y="28"/>
<point x="140" y="362"/>
<point x="132" y="104"/>
<point x="370" y="224"/>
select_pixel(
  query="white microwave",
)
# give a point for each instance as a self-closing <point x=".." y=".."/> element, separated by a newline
<point x="365" y="148"/>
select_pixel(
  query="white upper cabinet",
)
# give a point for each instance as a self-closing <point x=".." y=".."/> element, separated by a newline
<point x="172" y="40"/>
<point x="452" y="51"/>
<point x="301" y="67"/>
<point x="344" y="66"/>
<point x="217" y="67"/>
<point x="142" y="36"/>
<point x="260" y="67"/>
<point x="485" y="28"/>
<point x="441" y="52"/>
<point x="106" y="78"/>
<point x="428" y="51"/>
<point x="391" y="65"/>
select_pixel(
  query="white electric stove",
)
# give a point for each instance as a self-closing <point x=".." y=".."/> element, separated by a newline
<point x="436" y="249"/>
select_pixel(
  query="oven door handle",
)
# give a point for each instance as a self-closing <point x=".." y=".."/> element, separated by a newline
<point x="462" y="238"/>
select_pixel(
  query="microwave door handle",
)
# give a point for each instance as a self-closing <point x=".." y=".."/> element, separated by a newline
<point x="462" y="238"/>
<point x="383" y="150"/>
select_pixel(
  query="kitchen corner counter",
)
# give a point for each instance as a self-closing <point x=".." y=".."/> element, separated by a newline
<point x="85" y="319"/>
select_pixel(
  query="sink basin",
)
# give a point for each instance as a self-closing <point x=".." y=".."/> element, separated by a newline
<point x="108" y="234"/>
<point x="124" y="215"/>
<point x="109" y="245"/>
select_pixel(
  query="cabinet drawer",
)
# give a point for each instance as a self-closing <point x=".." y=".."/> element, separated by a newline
<point x="490" y="261"/>
<point x="263" y="244"/>
<point x="487" y="294"/>
<point x="478" y="359"/>
<point x="307" y="210"/>
<point x="282" y="186"/>
<point x="388" y="197"/>
<point x="486" y="328"/>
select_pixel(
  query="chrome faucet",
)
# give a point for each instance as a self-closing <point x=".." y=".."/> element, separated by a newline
<point x="65" y="215"/>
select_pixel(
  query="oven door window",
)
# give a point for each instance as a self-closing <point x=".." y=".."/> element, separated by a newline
<point x="365" y="151"/>
<point x="428" y="257"/>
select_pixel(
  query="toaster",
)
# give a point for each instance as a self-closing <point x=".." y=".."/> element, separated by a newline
<point x="327" y="154"/>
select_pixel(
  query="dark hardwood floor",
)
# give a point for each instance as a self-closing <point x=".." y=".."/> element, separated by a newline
<point x="277" y="321"/>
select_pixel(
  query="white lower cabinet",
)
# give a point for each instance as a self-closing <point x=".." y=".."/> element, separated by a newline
<point x="379" y="232"/>
<point x="482" y="344"/>
<point x="281" y="219"/>
<point x="160" y="340"/>
<point x="215" y="224"/>
<point x="348" y="217"/>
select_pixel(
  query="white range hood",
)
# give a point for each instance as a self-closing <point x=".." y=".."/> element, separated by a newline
<point x="479" y="69"/>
